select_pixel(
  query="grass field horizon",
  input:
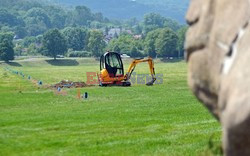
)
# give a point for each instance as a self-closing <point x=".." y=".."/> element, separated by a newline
<point x="164" y="119"/>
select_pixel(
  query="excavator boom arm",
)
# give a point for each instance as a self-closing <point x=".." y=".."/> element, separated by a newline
<point x="137" y="61"/>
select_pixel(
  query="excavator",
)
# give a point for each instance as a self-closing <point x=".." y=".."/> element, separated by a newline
<point x="112" y="71"/>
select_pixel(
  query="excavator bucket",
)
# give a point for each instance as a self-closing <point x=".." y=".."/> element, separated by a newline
<point x="150" y="83"/>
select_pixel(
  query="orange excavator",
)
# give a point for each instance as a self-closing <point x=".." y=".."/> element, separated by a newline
<point x="112" y="71"/>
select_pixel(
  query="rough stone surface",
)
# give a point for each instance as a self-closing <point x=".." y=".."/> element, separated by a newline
<point x="218" y="55"/>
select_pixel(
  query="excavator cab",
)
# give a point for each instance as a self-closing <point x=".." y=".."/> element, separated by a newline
<point x="112" y="62"/>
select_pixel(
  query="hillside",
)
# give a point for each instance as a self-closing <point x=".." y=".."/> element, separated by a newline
<point x="125" y="9"/>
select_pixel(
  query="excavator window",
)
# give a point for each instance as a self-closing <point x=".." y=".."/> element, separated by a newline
<point x="114" y="64"/>
<point x="102" y="63"/>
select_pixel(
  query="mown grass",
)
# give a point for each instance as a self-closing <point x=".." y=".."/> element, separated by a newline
<point x="164" y="119"/>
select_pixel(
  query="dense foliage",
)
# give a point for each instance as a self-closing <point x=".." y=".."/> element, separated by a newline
<point x="47" y="29"/>
<point x="30" y="18"/>
<point x="54" y="43"/>
<point x="96" y="43"/>
<point x="6" y="47"/>
<point x="77" y="38"/>
<point x="124" y="44"/>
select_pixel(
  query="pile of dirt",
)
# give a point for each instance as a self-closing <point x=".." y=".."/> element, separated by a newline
<point x="70" y="84"/>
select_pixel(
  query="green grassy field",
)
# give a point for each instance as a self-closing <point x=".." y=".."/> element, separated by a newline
<point x="164" y="119"/>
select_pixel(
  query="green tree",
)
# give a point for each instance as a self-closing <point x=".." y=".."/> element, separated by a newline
<point x="54" y="43"/>
<point x="77" y="38"/>
<point x="27" y="41"/>
<point x="125" y="42"/>
<point x="181" y="39"/>
<point x="32" y="49"/>
<point x="149" y="43"/>
<point x="80" y="16"/>
<point x="8" y="18"/>
<point x="18" y="49"/>
<point x="153" y="21"/>
<point x="96" y="25"/>
<point x="24" y="5"/>
<point x="5" y="28"/>
<point x="96" y="43"/>
<point x="57" y="21"/>
<point x="166" y="43"/>
<point x="20" y="31"/>
<point x="36" y="29"/>
<point x="116" y="35"/>
<point x="57" y="16"/>
<point x="6" y="47"/>
<point x="37" y="15"/>
<point x="116" y="49"/>
<point x="37" y="21"/>
<point x="172" y="24"/>
<point x="132" y="22"/>
<point x="137" y="29"/>
<point x="98" y="17"/>
<point x="134" y="52"/>
<point x="106" y="30"/>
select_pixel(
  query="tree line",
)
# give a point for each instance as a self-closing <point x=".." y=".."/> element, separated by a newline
<point x="81" y="33"/>
<point x="32" y="18"/>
